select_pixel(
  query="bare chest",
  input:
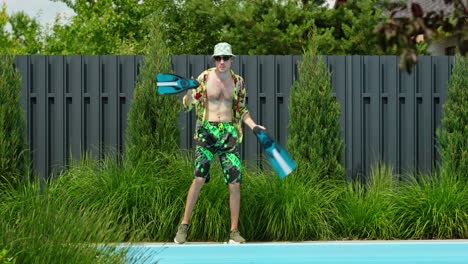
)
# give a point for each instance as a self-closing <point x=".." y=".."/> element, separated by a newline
<point x="219" y="90"/>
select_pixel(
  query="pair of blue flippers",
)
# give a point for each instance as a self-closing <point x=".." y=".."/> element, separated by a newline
<point x="278" y="157"/>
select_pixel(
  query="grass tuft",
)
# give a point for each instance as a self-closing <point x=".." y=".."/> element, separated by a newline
<point x="433" y="207"/>
<point x="365" y="209"/>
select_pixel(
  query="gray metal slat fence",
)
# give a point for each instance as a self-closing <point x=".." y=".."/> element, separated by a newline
<point x="76" y="104"/>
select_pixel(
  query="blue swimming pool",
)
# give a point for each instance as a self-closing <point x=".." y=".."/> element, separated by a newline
<point x="375" y="252"/>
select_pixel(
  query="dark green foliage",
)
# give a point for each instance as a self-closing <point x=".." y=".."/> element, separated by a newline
<point x="13" y="154"/>
<point x="195" y="26"/>
<point x="152" y="120"/>
<point x="100" y="27"/>
<point x="453" y="137"/>
<point x="19" y="33"/>
<point x="191" y="26"/>
<point x="348" y="29"/>
<point x="314" y="129"/>
<point x="252" y="27"/>
<point x="26" y="31"/>
<point x="267" y="27"/>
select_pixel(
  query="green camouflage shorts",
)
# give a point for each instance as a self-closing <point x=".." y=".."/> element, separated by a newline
<point x="218" y="138"/>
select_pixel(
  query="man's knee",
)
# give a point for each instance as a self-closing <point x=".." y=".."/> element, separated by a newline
<point x="234" y="186"/>
<point x="198" y="181"/>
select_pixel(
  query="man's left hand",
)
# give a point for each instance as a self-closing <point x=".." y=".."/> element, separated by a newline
<point x="261" y="127"/>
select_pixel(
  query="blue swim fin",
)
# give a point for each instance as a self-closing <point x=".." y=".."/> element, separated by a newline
<point x="171" y="84"/>
<point x="278" y="157"/>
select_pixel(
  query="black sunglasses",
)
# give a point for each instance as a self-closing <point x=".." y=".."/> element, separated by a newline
<point x="225" y="58"/>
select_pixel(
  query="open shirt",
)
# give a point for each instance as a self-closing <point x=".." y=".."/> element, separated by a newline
<point x="199" y="100"/>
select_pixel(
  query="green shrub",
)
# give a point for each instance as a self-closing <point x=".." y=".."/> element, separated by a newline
<point x="453" y="138"/>
<point x="13" y="154"/>
<point x="153" y="118"/>
<point x="314" y="134"/>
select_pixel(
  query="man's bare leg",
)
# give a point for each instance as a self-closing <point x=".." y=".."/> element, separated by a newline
<point x="234" y="202"/>
<point x="192" y="198"/>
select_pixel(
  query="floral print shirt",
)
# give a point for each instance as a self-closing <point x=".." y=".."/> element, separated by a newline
<point x="199" y="100"/>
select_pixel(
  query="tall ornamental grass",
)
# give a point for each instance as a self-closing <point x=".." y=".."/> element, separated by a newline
<point x="314" y="133"/>
<point x="39" y="225"/>
<point x="432" y="207"/>
<point x="296" y="208"/>
<point x="149" y="199"/>
<point x="366" y="210"/>
<point x="13" y="149"/>
<point x="105" y="202"/>
<point x="145" y="197"/>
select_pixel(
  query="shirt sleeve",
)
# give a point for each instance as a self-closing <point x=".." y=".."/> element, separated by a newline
<point x="196" y="94"/>
<point x="241" y="109"/>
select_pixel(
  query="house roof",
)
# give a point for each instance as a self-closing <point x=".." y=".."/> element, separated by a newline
<point x="426" y="5"/>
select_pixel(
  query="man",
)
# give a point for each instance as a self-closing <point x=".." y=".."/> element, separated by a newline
<point x="220" y="109"/>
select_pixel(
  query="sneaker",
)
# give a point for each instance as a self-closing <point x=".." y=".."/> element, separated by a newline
<point x="181" y="234"/>
<point x="235" y="237"/>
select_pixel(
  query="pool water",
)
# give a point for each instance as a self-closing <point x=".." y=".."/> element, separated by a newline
<point x="375" y="252"/>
